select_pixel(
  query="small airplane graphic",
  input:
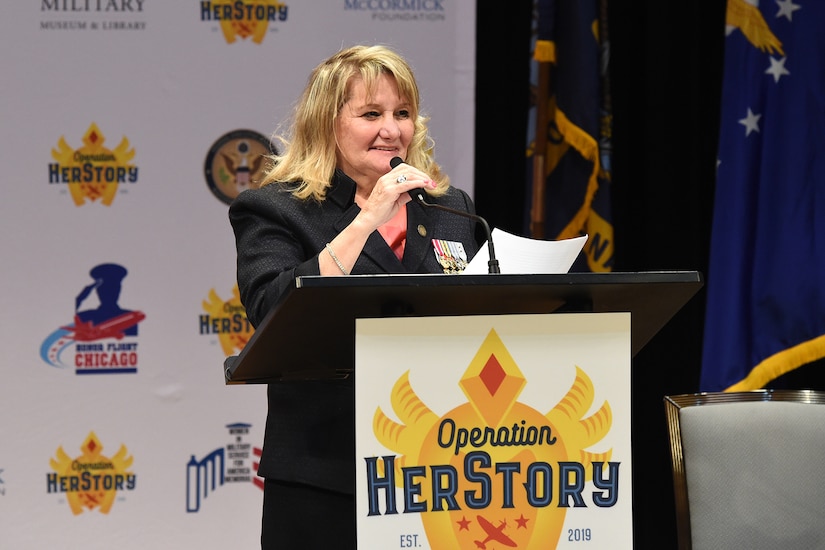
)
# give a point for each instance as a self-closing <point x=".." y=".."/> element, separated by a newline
<point x="86" y="331"/>
<point x="494" y="534"/>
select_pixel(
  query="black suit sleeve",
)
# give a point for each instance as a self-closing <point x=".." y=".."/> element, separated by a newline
<point x="270" y="254"/>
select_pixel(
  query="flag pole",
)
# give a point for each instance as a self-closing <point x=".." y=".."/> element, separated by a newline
<point x="544" y="54"/>
<point x="540" y="152"/>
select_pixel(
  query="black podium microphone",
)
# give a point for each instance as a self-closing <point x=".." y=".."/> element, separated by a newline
<point x="418" y="196"/>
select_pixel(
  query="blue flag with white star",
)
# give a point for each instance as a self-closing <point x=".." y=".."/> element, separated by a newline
<point x="766" y="277"/>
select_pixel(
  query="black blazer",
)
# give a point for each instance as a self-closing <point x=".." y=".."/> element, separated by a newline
<point x="310" y="431"/>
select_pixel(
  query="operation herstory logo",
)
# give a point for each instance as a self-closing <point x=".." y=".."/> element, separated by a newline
<point x="492" y="470"/>
<point x="93" y="172"/>
<point x="244" y="19"/>
<point x="227" y="320"/>
<point x="91" y="480"/>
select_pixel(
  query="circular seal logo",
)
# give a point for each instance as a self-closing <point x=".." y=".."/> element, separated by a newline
<point x="234" y="161"/>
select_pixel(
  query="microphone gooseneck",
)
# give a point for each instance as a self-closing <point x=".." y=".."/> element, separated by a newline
<point x="418" y="196"/>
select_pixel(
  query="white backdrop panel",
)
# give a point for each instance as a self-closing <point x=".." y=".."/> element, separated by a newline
<point x="163" y="84"/>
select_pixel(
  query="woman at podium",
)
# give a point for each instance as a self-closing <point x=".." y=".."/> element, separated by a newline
<point x="335" y="202"/>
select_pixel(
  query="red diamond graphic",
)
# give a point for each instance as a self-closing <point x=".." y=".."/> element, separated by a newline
<point x="492" y="375"/>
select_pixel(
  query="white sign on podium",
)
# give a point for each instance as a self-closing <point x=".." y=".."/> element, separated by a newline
<point x="494" y="432"/>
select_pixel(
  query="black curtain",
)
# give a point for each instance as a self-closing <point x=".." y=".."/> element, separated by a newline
<point x="665" y="73"/>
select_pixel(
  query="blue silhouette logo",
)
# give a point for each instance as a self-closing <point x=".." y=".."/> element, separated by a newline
<point x="108" y="321"/>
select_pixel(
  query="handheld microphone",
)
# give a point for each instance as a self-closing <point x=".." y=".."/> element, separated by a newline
<point x="418" y="196"/>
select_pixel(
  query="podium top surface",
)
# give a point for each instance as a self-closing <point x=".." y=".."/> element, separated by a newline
<point x="310" y="333"/>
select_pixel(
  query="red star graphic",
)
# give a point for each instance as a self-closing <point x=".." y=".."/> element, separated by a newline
<point x="522" y="522"/>
<point x="463" y="525"/>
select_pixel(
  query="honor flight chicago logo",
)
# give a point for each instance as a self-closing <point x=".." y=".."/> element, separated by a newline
<point x="91" y="480"/>
<point x="235" y="162"/>
<point x="244" y="19"/>
<point x="103" y="338"/>
<point x="93" y="172"/>
<point x="227" y="320"/>
<point x="234" y="462"/>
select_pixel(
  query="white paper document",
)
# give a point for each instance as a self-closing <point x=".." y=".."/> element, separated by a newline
<point x="524" y="256"/>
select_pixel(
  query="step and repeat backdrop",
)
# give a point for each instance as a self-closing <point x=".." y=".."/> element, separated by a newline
<point x="128" y="126"/>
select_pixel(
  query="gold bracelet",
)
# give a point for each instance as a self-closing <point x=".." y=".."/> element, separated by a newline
<point x="335" y="259"/>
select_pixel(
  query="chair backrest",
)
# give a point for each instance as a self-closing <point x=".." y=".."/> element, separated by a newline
<point x="748" y="469"/>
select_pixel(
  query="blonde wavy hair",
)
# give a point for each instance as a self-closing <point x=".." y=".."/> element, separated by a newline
<point x="309" y="150"/>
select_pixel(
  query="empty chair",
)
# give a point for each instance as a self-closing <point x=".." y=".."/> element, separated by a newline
<point x="748" y="469"/>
